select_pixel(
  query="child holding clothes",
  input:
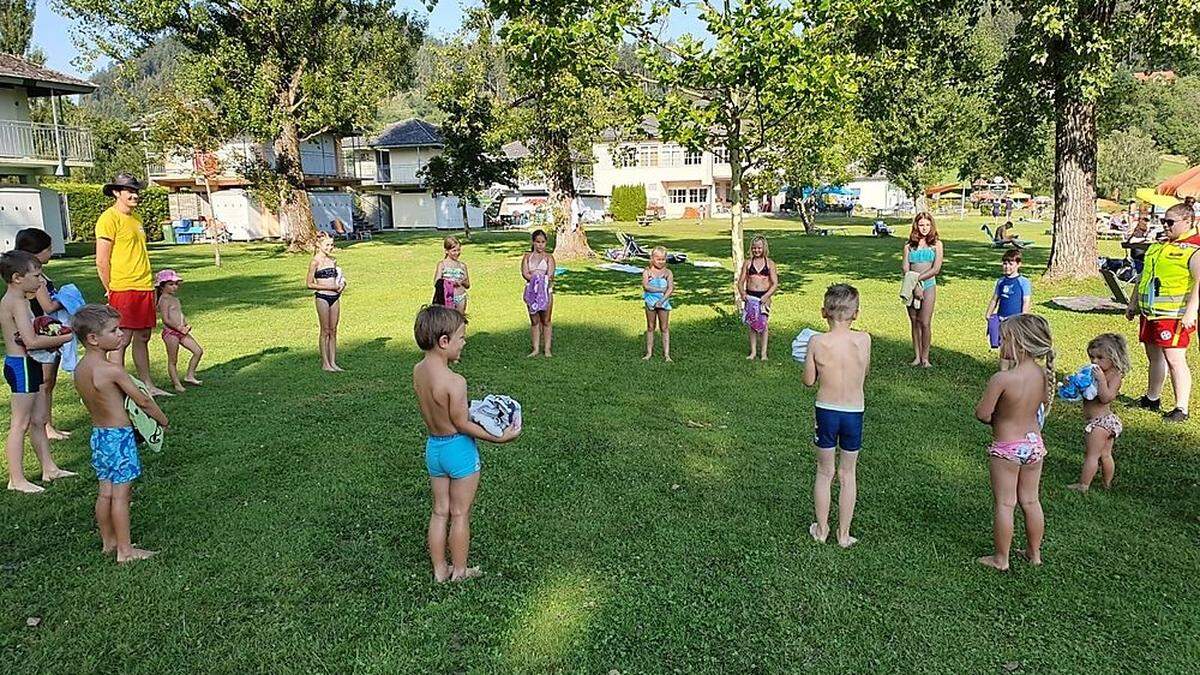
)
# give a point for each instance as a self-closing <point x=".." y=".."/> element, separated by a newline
<point x="1109" y="354"/>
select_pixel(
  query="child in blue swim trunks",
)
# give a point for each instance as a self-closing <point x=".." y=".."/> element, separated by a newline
<point x="657" y="286"/>
<point x="450" y="453"/>
<point x="104" y="386"/>
<point x="22" y="273"/>
<point x="837" y="363"/>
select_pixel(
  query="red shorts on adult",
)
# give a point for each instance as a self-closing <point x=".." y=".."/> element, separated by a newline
<point x="135" y="307"/>
<point x="1165" y="333"/>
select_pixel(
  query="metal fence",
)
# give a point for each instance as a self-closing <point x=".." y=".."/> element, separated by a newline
<point x="35" y="140"/>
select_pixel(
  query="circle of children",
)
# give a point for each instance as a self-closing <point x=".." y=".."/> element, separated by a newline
<point x="1014" y="403"/>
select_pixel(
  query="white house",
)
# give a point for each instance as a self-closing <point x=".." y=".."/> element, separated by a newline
<point x="679" y="181"/>
<point x="531" y="192"/>
<point x="878" y="192"/>
<point x="393" y="194"/>
<point x="191" y="180"/>
<point x="31" y="150"/>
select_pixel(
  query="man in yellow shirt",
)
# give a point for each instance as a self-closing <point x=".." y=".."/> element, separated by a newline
<point x="123" y="264"/>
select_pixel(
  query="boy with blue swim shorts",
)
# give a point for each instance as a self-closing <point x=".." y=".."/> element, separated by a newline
<point x="451" y="456"/>
<point x="104" y="386"/>
<point x="22" y="273"/>
<point x="837" y="363"/>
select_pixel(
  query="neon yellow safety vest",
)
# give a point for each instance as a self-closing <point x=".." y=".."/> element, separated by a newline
<point x="1166" y="280"/>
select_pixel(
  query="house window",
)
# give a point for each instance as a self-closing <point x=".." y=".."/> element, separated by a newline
<point x="721" y="155"/>
<point x="689" y="195"/>
<point x="625" y="156"/>
<point x="678" y="196"/>
<point x="672" y="155"/>
<point x="693" y="158"/>
<point x="648" y="155"/>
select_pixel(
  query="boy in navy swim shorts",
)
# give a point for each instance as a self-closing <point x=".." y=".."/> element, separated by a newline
<point x="104" y="387"/>
<point x="450" y="453"/>
<point x="837" y="363"/>
<point x="22" y="273"/>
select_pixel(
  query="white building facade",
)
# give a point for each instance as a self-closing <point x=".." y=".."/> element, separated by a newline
<point x="30" y="151"/>
<point x="679" y="182"/>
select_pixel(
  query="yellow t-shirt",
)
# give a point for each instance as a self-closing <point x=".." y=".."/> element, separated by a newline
<point x="130" y="266"/>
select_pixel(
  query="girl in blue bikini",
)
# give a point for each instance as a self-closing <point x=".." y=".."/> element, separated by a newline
<point x="923" y="255"/>
<point x="327" y="283"/>
<point x="657" y="286"/>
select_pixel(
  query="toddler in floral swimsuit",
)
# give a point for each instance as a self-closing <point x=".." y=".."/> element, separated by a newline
<point x="1110" y="358"/>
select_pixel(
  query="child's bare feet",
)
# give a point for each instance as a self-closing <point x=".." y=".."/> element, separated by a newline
<point x="467" y="574"/>
<point x="814" y="531"/>
<point x="329" y="369"/>
<point x="547" y="355"/>
<point x="135" y="554"/>
<point x="156" y="392"/>
<point x="1078" y="487"/>
<point x="532" y="354"/>
<point x="926" y="364"/>
<point x="993" y="562"/>
<point x="26" y="487"/>
<point x="668" y="359"/>
<point x="108" y="549"/>
<point x="192" y="380"/>
<point x="1031" y="558"/>
<point x="764" y="357"/>
<point x="646" y="357"/>
<point x="56" y="434"/>
<point x="57" y="473"/>
<point x="181" y="389"/>
<point x="752" y="356"/>
<point x="915" y="362"/>
<point x="442" y="575"/>
<point x="1107" y="486"/>
<point x="847" y="542"/>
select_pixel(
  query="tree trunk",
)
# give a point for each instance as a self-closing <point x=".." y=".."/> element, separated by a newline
<point x="1073" y="247"/>
<point x="299" y="230"/>
<point x="570" y="239"/>
<point x="736" y="229"/>
<point x="216" y="240"/>
<point x="806" y="218"/>
<point x="462" y="203"/>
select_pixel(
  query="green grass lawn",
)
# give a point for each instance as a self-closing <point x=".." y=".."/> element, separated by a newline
<point x="653" y="517"/>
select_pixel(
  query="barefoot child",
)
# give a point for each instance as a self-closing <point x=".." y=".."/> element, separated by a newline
<point x="1110" y="357"/>
<point x="37" y="242"/>
<point x="451" y="269"/>
<point x="1013" y="295"/>
<point x="327" y="283"/>
<point x="1013" y="404"/>
<point x="23" y="274"/>
<point x="176" y="332"/>
<point x="837" y="363"/>
<point x="657" y="286"/>
<point x="104" y="387"/>
<point x="757" y="284"/>
<point x="450" y="452"/>
<point x="537" y="267"/>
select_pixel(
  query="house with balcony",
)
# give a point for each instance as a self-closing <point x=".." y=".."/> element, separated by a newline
<point x="393" y="195"/>
<point x="532" y="191"/>
<point x="212" y="185"/>
<point x="679" y="182"/>
<point x="31" y="150"/>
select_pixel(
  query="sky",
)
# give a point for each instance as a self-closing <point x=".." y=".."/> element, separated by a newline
<point x="52" y="31"/>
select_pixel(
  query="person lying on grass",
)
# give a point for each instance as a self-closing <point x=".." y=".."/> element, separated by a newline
<point x="104" y="387"/>
<point x="837" y="363"/>
<point x="1014" y="404"/>
<point x="451" y="456"/>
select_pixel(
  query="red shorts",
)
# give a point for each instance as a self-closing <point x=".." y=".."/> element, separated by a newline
<point x="135" y="307"/>
<point x="1165" y="333"/>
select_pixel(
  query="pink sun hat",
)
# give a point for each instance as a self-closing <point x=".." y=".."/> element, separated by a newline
<point x="164" y="276"/>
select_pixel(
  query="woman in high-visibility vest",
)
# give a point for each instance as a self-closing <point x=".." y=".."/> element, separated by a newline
<point x="1167" y="298"/>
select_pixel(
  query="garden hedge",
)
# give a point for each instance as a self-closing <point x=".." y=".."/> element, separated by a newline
<point x="86" y="202"/>
<point x="628" y="202"/>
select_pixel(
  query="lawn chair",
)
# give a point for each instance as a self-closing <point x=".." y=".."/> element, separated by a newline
<point x="340" y="231"/>
<point x="631" y="249"/>
<point x="880" y="229"/>
<point x="1003" y="243"/>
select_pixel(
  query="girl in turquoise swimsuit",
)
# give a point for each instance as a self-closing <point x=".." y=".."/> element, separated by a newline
<point x="451" y="269"/>
<point x="657" y="286"/>
<point x="923" y="255"/>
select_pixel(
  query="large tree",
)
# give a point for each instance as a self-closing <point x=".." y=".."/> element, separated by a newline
<point x="16" y="25"/>
<point x="559" y="60"/>
<point x="1064" y="56"/>
<point x="471" y="160"/>
<point x="766" y="83"/>
<point x="282" y="71"/>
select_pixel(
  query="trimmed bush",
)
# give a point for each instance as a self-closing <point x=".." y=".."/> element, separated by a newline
<point x="86" y="202"/>
<point x="628" y="202"/>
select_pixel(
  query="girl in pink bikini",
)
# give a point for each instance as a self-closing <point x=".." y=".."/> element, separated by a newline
<point x="176" y="331"/>
<point x="1014" y="404"/>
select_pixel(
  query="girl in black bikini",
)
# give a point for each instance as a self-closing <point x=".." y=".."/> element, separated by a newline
<point x="758" y="280"/>
<point x="327" y="283"/>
